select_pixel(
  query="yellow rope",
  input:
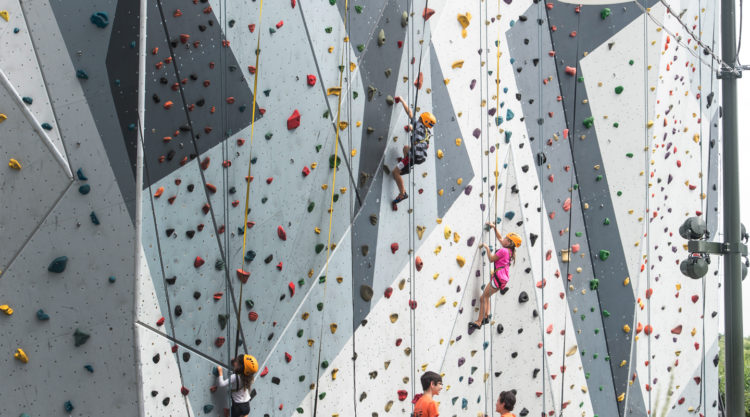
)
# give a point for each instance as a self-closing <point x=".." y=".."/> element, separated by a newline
<point x="249" y="163"/>
<point x="497" y="107"/>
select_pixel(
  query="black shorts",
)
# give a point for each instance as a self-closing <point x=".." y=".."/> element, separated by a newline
<point x="240" y="409"/>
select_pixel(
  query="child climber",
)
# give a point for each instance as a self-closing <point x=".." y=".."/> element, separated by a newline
<point x="245" y="367"/>
<point x="426" y="406"/>
<point x="416" y="151"/>
<point x="502" y="259"/>
<point x="505" y="403"/>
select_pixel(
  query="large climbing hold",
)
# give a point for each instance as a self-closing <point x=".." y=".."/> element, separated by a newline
<point x="464" y="20"/>
<point x="293" y="121"/>
<point x="427" y="13"/>
<point x="58" y="265"/>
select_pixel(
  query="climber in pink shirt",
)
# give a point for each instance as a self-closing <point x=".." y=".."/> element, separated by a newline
<point x="502" y="258"/>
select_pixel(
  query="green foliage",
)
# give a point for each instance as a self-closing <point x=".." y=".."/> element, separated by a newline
<point x="747" y="372"/>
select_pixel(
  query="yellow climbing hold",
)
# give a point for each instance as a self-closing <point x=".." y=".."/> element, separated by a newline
<point x="626" y="328"/>
<point x="460" y="261"/>
<point x="441" y="301"/>
<point x="388" y="406"/>
<point x="305" y="315"/>
<point x="339" y="279"/>
<point x="621" y="397"/>
<point x="354" y="153"/>
<point x="447" y="232"/>
<point x="650" y="123"/>
<point x="21" y="355"/>
<point x="13" y="163"/>
<point x="5" y="15"/>
<point x="3" y="117"/>
<point x="458" y="141"/>
<point x="456" y="237"/>
<point x="436" y="275"/>
<point x="333" y="91"/>
<point x="343" y="125"/>
<point x="440" y="192"/>
<point x="571" y="351"/>
<point x="623" y="363"/>
<point x="334" y="372"/>
<point x="334" y="326"/>
<point x="626" y="282"/>
<point x="424" y="367"/>
<point x="458" y="64"/>
<point x="440" y="154"/>
<point x="352" y="66"/>
<point x="317" y="230"/>
<point x="696" y="138"/>
<point x="6" y="309"/>
<point x="394" y="317"/>
<point x="420" y="231"/>
<point x="464" y="20"/>
<point x="459" y="181"/>
<point x="437" y="249"/>
<point x="310" y="342"/>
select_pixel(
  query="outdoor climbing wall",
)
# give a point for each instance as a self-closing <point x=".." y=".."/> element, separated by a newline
<point x="591" y="131"/>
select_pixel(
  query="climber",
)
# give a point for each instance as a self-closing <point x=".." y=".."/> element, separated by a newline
<point x="505" y="403"/>
<point x="244" y="369"/>
<point x="502" y="259"/>
<point x="416" y="151"/>
<point x="425" y="406"/>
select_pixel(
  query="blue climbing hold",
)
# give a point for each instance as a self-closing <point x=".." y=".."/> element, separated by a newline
<point x="82" y="75"/>
<point x="94" y="219"/>
<point x="84" y="189"/>
<point x="68" y="406"/>
<point x="41" y="315"/>
<point x="46" y="126"/>
<point x="509" y="215"/>
<point x="464" y="403"/>
<point x="100" y="19"/>
<point x="16" y="30"/>
<point x="112" y="279"/>
<point x="28" y="100"/>
<point x="207" y="408"/>
<point x="80" y="174"/>
<point x="58" y="265"/>
<point x="507" y="136"/>
<point x="509" y="115"/>
<point x="89" y="368"/>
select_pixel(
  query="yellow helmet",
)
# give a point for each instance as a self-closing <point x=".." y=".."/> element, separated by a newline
<point x="249" y="364"/>
<point x="514" y="238"/>
<point x="428" y="119"/>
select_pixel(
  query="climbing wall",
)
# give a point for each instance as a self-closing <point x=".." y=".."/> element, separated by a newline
<point x="589" y="130"/>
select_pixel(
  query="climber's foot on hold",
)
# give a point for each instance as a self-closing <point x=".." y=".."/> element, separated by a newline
<point x="486" y="320"/>
<point x="401" y="197"/>
<point x="504" y="290"/>
<point x="474" y="326"/>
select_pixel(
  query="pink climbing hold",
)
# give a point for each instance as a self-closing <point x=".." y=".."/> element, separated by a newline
<point x="311" y="79"/>
<point x="570" y="70"/>
<point x="566" y="204"/>
<point x="394" y="247"/>
<point x="243" y="275"/>
<point x="198" y="262"/>
<point x="413" y="304"/>
<point x="677" y="330"/>
<point x="294" y="4"/>
<point x="281" y="233"/>
<point x="292" y="289"/>
<point x="418" y="263"/>
<point x="427" y="13"/>
<point x="293" y="121"/>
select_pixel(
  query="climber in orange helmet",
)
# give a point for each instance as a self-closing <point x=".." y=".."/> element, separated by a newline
<point x="502" y="258"/>
<point x="244" y="369"/>
<point x="416" y="151"/>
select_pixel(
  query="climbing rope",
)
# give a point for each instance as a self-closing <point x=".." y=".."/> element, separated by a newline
<point x="249" y="170"/>
<point x="330" y="207"/>
<point x="482" y="136"/>
<point x="541" y="13"/>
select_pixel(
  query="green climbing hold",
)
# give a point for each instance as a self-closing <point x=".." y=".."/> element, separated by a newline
<point x="360" y="47"/>
<point x="583" y="317"/>
<point x="605" y="13"/>
<point x="333" y="160"/>
<point x="629" y="154"/>
<point x="80" y="337"/>
<point x="219" y="265"/>
<point x="58" y="265"/>
<point x="631" y="62"/>
<point x="606" y="221"/>
<point x="324" y="364"/>
<point x="594" y="284"/>
<point x="301" y="378"/>
<point x="319" y="247"/>
<point x="619" y="193"/>
<point x="318" y="147"/>
<point x="249" y="304"/>
<point x="300" y="410"/>
<point x="333" y="2"/>
<point x="320" y="308"/>
<point x="300" y="332"/>
<point x="112" y="279"/>
<point x="580" y="79"/>
<point x="301" y="282"/>
<point x="322" y="279"/>
<point x="615" y="124"/>
<point x="355" y="95"/>
<point x="603" y="254"/>
<point x="618" y="89"/>
<point x="269" y="135"/>
<point x="358" y="9"/>
<point x="588" y="122"/>
<point x="322" y="395"/>
<point x="575" y="186"/>
<point x="599" y="177"/>
<point x="605" y="313"/>
<point x="329" y="29"/>
<point x="579" y="234"/>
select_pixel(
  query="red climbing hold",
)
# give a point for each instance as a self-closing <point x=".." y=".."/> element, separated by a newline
<point x="211" y="188"/>
<point x="305" y="171"/>
<point x="269" y="180"/>
<point x="281" y="232"/>
<point x="311" y="79"/>
<point x="570" y="70"/>
<point x="252" y="316"/>
<point x="287" y="357"/>
<point x="398" y="341"/>
<point x="418" y="263"/>
<point x="264" y="372"/>
<point x="279" y="266"/>
<point x="184" y="391"/>
<point x="206" y="208"/>
<point x="294" y="4"/>
<point x="243" y="275"/>
<point x="160" y="321"/>
<point x="677" y="330"/>
<point x="413" y="304"/>
<point x="402" y="394"/>
<point x="251" y="27"/>
<point x="218" y="295"/>
<point x="648" y="329"/>
<point x="420" y="79"/>
<point x="184" y="37"/>
<point x="240" y="142"/>
<point x="293" y="121"/>
<point x="292" y="289"/>
<point x="394" y="247"/>
<point x="198" y="262"/>
<point x="280" y="24"/>
<point x="388" y="292"/>
<point x="427" y="13"/>
<point x="219" y="342"/>
<point x="694" y="298"/>
<point x="205" y="163"/>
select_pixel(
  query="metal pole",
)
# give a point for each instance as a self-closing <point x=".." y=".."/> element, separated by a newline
<point x="138" y="249"/>
<point x="732" y="267"/>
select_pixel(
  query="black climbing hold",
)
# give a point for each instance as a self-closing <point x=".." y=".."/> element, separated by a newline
<point x="532" y="238"/>
<point x="169" y="232"/>
<point x="524" y="412"/>
<point x="500" y="329"/>
<point x="191" y="187"/>
<point x="94" y="219"/>
<point x="185" y="356"/>
<point x="268" y="259"/>
<point x="276" y="380"/>
<point x="535" y="313"/>
<point x="190" y="234"/>
<point x="523" y="297"/>
<point x="58" y="265"/>
<point x="178" y="311"/>
<point x="80" y="337"/>
<point x="541" y="158"/>
<point x="165" y="401"/>
<point x="156" y="358"/>
<point x="514" y="355"/>
<point x="535" y="373"/>
<point x="171" y="280"/>
<point x="197" y="295"/>
<point x="154" y="393"/>
<point x="365" y="291"/>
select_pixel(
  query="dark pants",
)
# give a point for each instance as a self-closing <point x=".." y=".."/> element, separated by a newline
<point x="240" y="409"/>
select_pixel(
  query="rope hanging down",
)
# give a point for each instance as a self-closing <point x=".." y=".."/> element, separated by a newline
<point x="330" y="207"/>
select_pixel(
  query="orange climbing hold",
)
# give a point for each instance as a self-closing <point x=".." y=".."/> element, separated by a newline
<point x="243" y="275"/>
<point x="427" y="13"/>
<point x="159" y="192"/>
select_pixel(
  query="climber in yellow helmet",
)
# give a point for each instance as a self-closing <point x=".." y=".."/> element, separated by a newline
<point x="502" y="259"/>
<point x="244" y="367"/>
<point x="416" y="151"/>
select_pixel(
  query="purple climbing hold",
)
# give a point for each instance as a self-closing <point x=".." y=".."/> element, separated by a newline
<point x="482" y="206"/>
<point x="477" y="133"/>
<point x="473" y="84"/>
<point x="468" y="189"/>
<point x="470" y="242"/>
<point x="461" y="361"/>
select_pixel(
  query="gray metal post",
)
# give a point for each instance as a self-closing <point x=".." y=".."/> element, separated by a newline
<point x="735" y="383"/>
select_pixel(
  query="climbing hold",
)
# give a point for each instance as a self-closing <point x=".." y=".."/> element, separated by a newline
<point x="605" y="13"/>
<point x="619" y="89"/>
<point x="394" y="317"/>
<point x="41" y="315"/>
<point x="677" y="330"/>
<point x="100" y="19"/>
<point x="282" y="234"/>
<point x="198" y="262"/>
<point x="460" y="260"/>
<point x="21" y="355"/>
<point x="243" y="275"/>
<point x="58" y="264"/>
<point x="84" y="189"/>
<point x="440" y="302"/>
<point x="388" y="292"/>
<point x="394" y="247"/>
<point x="6" y="309"/>
<point x="13" y="163"/>
<point x="418" y="264"/>
<point x="603" y="254"/>
<point x="427" y="13"/>
<point x="464" y="20"/>
<point x="523" y="297"/>
<point x="293" y="121"/>
<point x="80" y="337"/>
<point x="311" y="79"/>
<point x="381" y="37"/>
<point x="588" y="122"/>
<point x="6" y="16"/>
<point x="68" y="406"/>
<point x="404" y="19"/>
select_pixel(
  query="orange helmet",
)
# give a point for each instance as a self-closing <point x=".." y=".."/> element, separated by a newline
<point x="428" y="119"/>
<point x="514" y="238"/>
<point x="249" y="364"/>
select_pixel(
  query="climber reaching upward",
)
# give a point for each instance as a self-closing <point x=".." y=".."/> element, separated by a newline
<point x="244" y="368"/>
<point x="502" y="258"/>
<point x="416" y="151"/>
